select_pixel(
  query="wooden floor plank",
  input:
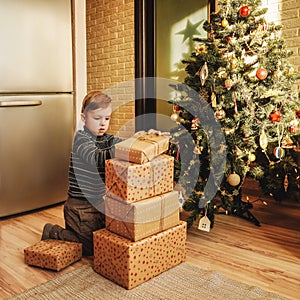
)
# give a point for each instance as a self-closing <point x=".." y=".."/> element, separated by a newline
<point x="267" y="256"/>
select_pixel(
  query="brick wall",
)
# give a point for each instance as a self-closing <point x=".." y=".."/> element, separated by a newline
<point x="287" y="13"/>
<point x="110" y="58"/>
<point x="290" y="19"/>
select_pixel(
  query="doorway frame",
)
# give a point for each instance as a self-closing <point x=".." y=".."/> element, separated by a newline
<point x="145" y="72"/>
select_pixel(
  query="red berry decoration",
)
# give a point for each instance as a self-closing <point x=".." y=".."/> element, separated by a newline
<point x="261" y="73"/>
<point x="244" y="11"/>
<point x="298" y="113"/>
<point x="275" y="116"/>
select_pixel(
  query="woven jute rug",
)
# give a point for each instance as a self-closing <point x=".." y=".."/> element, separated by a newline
<point x="184" y="281"/>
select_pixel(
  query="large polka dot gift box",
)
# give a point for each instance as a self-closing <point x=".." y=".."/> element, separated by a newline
<point x="142" y="148"/>
<point x="132" y="263"/>
<point x="143" y="218"/>
<point x="133" y="182"/>
<point x="52" y="254"/>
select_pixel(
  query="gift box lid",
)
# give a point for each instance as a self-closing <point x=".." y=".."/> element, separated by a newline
<point x="142" y="148"/>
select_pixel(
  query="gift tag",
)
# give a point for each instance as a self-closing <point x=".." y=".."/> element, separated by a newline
<point x="204" y="224"/>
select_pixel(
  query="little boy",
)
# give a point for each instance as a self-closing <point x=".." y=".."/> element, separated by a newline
<point x="84" y="208"/>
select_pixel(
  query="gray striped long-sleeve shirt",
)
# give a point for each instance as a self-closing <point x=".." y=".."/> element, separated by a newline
<point x="87" y="165"/>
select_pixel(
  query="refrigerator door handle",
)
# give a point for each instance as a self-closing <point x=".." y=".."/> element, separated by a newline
<point x="20" y="103"/>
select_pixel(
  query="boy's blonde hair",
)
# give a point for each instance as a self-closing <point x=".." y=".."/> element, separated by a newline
<point x="94" y="100"/>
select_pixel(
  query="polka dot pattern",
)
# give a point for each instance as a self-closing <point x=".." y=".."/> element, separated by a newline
<point x="132" y="263"/>
<point x="143" y="218"/>
<point x="142" y="149"/>
<point x="134" y="182"/>
<point x="52" y="254"/>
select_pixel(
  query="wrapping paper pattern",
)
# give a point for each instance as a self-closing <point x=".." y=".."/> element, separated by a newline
<point x="133" y="182"/>
<point x="143" y="148"/>
<point x="143" y="218"/>
<point x="132" y="263"/>
<point x="52" y="254"/>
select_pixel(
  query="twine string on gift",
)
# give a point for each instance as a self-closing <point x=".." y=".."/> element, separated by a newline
<point x="124" y="219"/>
<point x="150" y="141"/>
<point x="114" y="180"/>
<point x="162" y="213"/>
<point x="114" y="184"/>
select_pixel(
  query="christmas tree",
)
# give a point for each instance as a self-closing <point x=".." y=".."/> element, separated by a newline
<point x="239" y="78"/>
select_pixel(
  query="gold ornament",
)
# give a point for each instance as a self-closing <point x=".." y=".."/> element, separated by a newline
<point x="233" y="179"/>
<point x="224" y="23"/>
<point x="228" y="83"/>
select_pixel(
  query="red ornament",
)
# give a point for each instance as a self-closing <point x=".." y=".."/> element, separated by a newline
<point x="261" y="73"/>
<point x="298" y="113"/>
<point x="244" y="11"/>
<point x="275" y="116"/>
<point x="176" y="107"/>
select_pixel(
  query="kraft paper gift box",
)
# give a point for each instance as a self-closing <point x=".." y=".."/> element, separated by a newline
<point x="131" y="263"/>
<point x="143" y="218"/>
<point x="142" y="148"/>
<point x="52" y="254"/>
<point x="134" y="182"/>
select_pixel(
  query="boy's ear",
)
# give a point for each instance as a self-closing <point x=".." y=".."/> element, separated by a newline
<point x="82" y="115"/>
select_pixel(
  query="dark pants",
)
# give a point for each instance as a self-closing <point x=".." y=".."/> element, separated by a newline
<point x="81" y="219"/>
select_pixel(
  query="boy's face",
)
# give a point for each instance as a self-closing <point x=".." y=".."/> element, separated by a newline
<point x="97" y="121"/>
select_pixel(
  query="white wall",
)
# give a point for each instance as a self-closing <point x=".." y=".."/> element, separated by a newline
<point x="273" y="13"/>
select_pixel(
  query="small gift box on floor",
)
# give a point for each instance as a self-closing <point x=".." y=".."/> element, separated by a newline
<point x="52" y="254"/>
<point x="142" y="147"/>
<point x="132" y="263"/>
<point x="133" y="182"/>
<point x="143" y="218"/>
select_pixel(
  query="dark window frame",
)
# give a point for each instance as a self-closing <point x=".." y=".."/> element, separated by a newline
<point x="144" y="20"/>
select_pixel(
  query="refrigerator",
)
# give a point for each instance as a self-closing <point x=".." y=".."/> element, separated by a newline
<point x="36" y="103"/>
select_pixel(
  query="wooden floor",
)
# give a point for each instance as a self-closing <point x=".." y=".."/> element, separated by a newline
<point x="267" y="256"/>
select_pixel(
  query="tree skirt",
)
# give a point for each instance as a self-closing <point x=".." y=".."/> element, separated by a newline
<point x="184" y="281"/>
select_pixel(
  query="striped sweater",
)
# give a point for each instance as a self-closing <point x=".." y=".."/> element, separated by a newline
<point x="87" y="165"/>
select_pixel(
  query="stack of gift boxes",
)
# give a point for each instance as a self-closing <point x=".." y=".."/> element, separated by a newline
<point x="143" y="236"/>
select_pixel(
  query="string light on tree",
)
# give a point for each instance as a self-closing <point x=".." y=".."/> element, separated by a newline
<point x="252" y="157"/>
<point x="234" y="179"/>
